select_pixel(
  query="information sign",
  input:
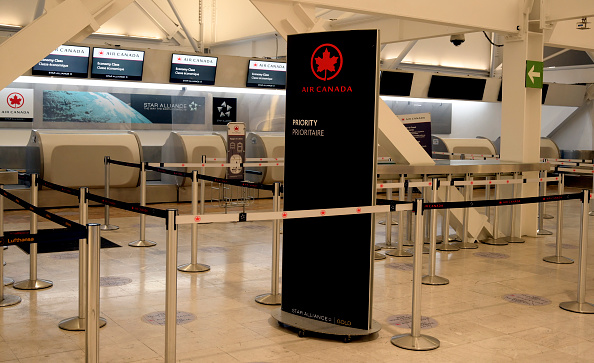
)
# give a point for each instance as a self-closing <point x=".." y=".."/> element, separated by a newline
<point x="235" y="149"/>
<point x="534" y="70"/>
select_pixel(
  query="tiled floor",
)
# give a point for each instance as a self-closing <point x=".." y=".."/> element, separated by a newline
<point x="474" y="322"/>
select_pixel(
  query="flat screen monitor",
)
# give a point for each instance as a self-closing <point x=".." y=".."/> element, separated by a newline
<point x="65" y="61"/>
<point x="193" y="69"/>
<point x="117" y="64"/>
<point x="266" y="74"/>
<point x="457" y="88"/>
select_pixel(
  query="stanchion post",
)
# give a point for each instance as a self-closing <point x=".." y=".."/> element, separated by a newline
<point x="495" y="240"/>
<point x="106" y="226"/>
<point x="592" y="203"/>
<point x="400" y="252"/>
<point x="431" y="278"/>
<point x="541" y="191"/>
<point x="33" y="283"/>
<point x="93" y="306"/>
<point x="488" y="197"/>
<point x="388" y="241"/>
<point x="5" y="300"/>
<point x="445" y="227"/>
<point x="78" y="323"/>
<point x="142" y="241"/>
<point x="468" y="190"/>
<point x="559" y="258"/>
<point x="171" y="287"/>
<point x="415" y="340"/>
<point x="512" y="237"/>
<point x="580" y="305"/>
<point x="194" y="266"/>
<point x="274" y="298"/>
<point x="202" y="187"/>
<point x="544" y="194"/>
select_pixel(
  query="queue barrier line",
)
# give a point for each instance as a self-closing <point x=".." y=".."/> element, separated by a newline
<point x="267" y="216"/>
<point x="499" y="202"/>
<point x="463" y="154"/>
<point x="43" y="235"/>
<point x="203" y="165"/>
<point x="589" y="161"/>
<point x="213" y="179"/>
<point x="42" y="212"/>
<point x="248" y="159"/>
<point x="574" y="170"/>
<point x="468" y="182"/>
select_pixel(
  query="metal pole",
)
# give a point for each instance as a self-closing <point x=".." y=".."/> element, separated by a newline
<point x="495" y="240"/>
<point x="581" y="306"/>
<point x="400" y="252"/>
<point x="488" y="197"/>
<point x="512" y="238"/>
<point x="592" y="203"/>
<point x="415" y="340"/>
<point x="431" y="278"/>
<point x="544" y="193"/>
<point x="558" y="258"/>
<point x="409" y="236"/>
<point x="5" y="300"/>
<point x="445" y="227"/>
<point x="171" y="287"/>
<point x="274" y="298"/>
<point x="33" y="283"/>
<point x="92" y="308"/>
<point x="142" y="242"/>
<point x="106" y="226"/>
<point x="77" y="323"/>
<point x="202" y="186"/>
<point x="388" y="242"/>
<point x="194" y="266"/>
<point x="468" y="189"/>
<point x="541" y="187"/>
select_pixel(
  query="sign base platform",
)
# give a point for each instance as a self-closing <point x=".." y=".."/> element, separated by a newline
<point x="309" y="325"/>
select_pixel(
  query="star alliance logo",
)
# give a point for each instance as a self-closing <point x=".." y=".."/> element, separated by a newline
<point x="193" y="106"/>
<point x="224" y="109"/>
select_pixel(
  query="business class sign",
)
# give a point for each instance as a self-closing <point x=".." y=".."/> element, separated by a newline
<point x="330" y="152"/>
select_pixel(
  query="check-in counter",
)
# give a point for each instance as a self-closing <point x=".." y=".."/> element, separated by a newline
<point x="549" y="149"/>
<point x="482" y="146"/>
<point x="265" y="145"/>
<point x="76" y="159"/>
<point x="187" y="147"/>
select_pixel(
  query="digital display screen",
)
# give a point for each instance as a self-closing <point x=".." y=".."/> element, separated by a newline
<point x="117" y="64"/>
<point x="65" y="61"/>
<point x="193" y="69"/>
<point x="266" y="74"/>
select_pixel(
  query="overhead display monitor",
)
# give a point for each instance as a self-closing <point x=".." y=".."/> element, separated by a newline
<point x="117" y="64"/>
<point x="266" y="74"/>
<point x="457" y="88"/>
<point x="395" y="83"/>
<point x="65" y="61"/>
<point x="193" y="69"/>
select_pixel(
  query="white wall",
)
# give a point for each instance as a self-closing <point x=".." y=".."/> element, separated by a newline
<point x="576" y="132"/>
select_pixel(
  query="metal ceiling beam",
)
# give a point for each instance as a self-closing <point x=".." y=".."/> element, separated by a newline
<point x="558" y="10"/>
<point x="69" y="20"/>
<point x="565" y="35"/>
<point x="156" y="14"/>
<point x="396" y="61"/>
<point x="505" y="17"/>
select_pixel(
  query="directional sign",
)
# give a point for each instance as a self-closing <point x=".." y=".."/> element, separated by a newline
<point x="534" y="70"/>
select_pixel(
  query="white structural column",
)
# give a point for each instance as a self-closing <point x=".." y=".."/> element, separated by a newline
<point x="521" y="116"/>
<point x="72" y="20"/>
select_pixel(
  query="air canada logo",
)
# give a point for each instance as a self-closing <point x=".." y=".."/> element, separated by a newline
<point x="15" y="100"/>
<point x="326" y="61"/>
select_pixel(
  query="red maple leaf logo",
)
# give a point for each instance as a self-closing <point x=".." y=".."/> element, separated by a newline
<point x="178" y="58"/>
<point x="15" y="100"/>
<point x="327" y="63"/>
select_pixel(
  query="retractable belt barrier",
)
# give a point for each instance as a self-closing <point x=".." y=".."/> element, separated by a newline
<point x="43" y="235"/>
<point x="42" y="212"/>
<point x="205" y="165"/>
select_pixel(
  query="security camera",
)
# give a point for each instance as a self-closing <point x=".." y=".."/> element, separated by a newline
<point x="457" y="39"/>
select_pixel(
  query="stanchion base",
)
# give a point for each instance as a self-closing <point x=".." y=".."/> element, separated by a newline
<point x="543" y="232"/>
<point x="408" y="243"/>
<point x="422" y="342"/>
<point x="108" y="227"/>
<point x="446" y="247"/>
<point x="576" y="307"/>
<point x="8" y="281"/>
<point x="547" y="216"/>
<point x="379" y="256"/>
<point x="142" y="243"/>
<point x="78" y="324"/>
<point x="269" y="299"/>
<point x="454" y="238"/>
<point x="33" y="284"/>
<point x="376" y="248"/>
<point x="494" y="241"/>
<point x="397" y="253"/>
<point x="434" y="280"/>
<point x="511" y="239"/>
<point x="412" y="250"/>
<point x="10" y="300"/>
<point x="383" y="222"/>
<point x="193" y="267"/>
<point x="386" y="247"/>
<point x="591" y="213"/>
<point x="467" y="245"/>
<point x="557" y="259"/>
<point x="309" y="325"/>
